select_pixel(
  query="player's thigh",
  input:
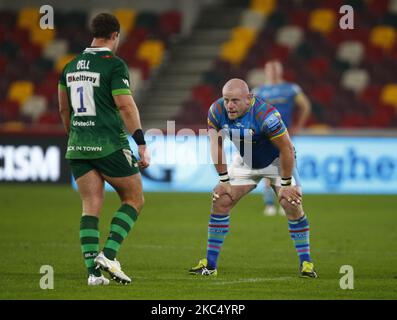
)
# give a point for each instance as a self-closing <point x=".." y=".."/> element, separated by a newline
<point x="120" y="170"/>
<point x="90" y="187"/>
<point x="129" y="189"/>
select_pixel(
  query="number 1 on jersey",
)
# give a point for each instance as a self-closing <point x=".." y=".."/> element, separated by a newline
<point x="81" y="109"/>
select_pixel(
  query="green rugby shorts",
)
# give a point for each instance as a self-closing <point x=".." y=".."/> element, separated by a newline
<point x="120" y="163"/>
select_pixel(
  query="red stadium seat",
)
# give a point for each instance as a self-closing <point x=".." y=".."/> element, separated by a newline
<point x="353" y="120"/>
<point x="378" y="8"/>
<point x="142" y="65"/>
<point x="279" y="52"/>
<point x="204" y="95"/>
<point x="49" y="118"/>
<point x="3" y="63"/>
<point x="9" y="110"/>
<point x="170" y="22"/>
<point x="371" y="95"/>
<point x="322" y="93"/>
<point x="382" y="117"/>
<point x="299" y="18"/>
<point x="319" y="66"/>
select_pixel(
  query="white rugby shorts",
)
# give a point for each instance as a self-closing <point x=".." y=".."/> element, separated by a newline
<point x="241" y="174"/>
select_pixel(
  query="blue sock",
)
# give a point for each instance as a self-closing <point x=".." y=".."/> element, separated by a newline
<point x="268" y="196"/>
<point x="218" y="228"/>
<point x="299" y="231"/>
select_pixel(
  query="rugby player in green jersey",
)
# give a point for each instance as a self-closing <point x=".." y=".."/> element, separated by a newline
<point x="95" y="104"/>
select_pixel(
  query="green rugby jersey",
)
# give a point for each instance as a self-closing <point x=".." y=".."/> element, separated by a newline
<point x="91" y="80"/>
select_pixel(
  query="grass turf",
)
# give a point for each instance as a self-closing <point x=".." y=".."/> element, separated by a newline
<point x="40" y="226"/>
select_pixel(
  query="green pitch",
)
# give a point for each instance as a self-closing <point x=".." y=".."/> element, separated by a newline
<point x="40" y="226"/>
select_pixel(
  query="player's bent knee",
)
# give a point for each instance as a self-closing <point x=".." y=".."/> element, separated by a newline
<point x="136" y="203"/>
<point x="293" y="212"/>
<point x="223" y="204"/>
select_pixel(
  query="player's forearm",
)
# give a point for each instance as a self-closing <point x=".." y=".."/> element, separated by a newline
<point x="129" y="112"/>
<point x="64" y="111"/>
<point x="287" y="161"/>
<point x="65" y="117"/>
<point x="130" y="116"/>
<point x="217" y="153"/>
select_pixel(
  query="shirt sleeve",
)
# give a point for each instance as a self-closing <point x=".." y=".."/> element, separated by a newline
<point x="120" y="81"/>
<point x="214" y="116"/>
<point x="296" y="89"/>
<point x="273" y="126"/>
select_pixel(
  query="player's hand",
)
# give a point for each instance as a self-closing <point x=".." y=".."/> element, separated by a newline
<point x="291" y="194"/>
<point x="144" y="156"/>
<point x="221" y="189"/>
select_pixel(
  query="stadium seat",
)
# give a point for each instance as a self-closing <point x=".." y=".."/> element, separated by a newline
<point x="299" y="18"/>
<point x="170" y="22"/>
<point x="318" y="66"/>
<point x="393" y="6"/>
<point x="237" y="47"/>
<point x="20" y="91"/>
<point x="3" y="63"/>
<point x="244" y="34"/>
<point x="34" y="107"/>
<point x="276" y="20"/>
<point x="9" y="110"/>
<point x="148" y="20"/>
<point x="126" y="18"/>
<point x="203" y="94"/>
<point x="151" y="51"/>
<point x="56" y="49"/>
<point x="252" y="19"/>
<point x="370" y="95"/>
<point x="265" y="7"/>
<point x="389" y="95"/>
<point x="322" y="93"/>
<point x="62" y="61"/>
<point x="233" y="51"/>
<point x="8" y="19"/>
<point x="212" y="77"/>
<point x="136" y="79"/>
<point x="322" y="20"/>
<point x="382" y="116"/>
<point x="355" y="79"/>
<point x="383" y="37"/>
<point x="42" y="37"/>
<point x="9" y="48"/>
<point x="49" y="118"/>
<point x="256" y="77"/>
<point x="378" y="8"/>
<point x="290" y="36"/>
<point x="351" y="51"/>
<point x="28" y="18"/>
<point x="13" y="125"/>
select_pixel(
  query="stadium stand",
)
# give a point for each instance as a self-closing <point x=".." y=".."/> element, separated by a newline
<point x="348" y="74"/>
<point x="31" y="59"/>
